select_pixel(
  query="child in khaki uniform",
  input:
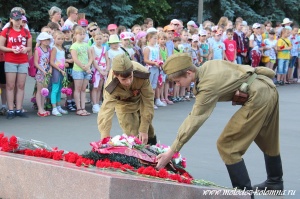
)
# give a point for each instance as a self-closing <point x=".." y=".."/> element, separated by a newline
<point x="257" y="120"/>
<point x="128" y="92"/>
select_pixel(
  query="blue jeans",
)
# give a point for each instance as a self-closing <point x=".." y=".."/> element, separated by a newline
<point x="239" y="59"/>
<point x="282" y="67"/>
<point x="293" y="61"/>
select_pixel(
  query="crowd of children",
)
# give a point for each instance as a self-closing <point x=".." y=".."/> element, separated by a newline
<point x="81" y="54"/>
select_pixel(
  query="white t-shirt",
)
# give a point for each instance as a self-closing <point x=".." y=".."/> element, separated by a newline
<point x="68" y="22"/>
<point x="270" y="44"/>
<point x="256" y="42"/>
<point x="113" y="53"/>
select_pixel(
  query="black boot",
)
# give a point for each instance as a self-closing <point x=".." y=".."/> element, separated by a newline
<point x="274" y="172"/>
<point x="239" y="176"/>
<point x="152" y="141"/>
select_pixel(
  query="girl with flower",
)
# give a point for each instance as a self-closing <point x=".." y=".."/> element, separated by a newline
<point x="100" y="70"/>
<point x="42" y="63"/>
<point x="57" y="61"/>
<point x="255" y="42"/>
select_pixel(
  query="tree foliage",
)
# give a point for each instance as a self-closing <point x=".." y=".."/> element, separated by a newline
<point x="129" y="12"/>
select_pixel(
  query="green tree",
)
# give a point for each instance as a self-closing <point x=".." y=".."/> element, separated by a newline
<point x="251" y="11"/>
<point x="156" y="10"/>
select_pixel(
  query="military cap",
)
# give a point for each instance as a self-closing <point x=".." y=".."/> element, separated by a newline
<point x="121" y="63"/>
<point x="177" y="62"/>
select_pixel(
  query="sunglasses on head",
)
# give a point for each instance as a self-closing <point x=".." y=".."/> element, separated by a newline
<point x="93" y="30"/>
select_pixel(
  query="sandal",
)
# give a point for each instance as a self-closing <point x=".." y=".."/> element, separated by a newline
<point x="82" y="112"/>
<point x="85" y="112"/>
<point x="45" y="114"/>
<point x="169" y="102"/>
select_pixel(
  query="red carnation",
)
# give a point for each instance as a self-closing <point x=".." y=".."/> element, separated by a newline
<point x="116" y="165"/>
<point x="29" y="152"/>
<point x="37" y="153"/>
<point x="140" y="170"/>
<point x="295" y="43"/>
<point x="281" y="47"/>
<point x="57" y="156"/>
<point x="239" y="50"/>
<point x="105" y="140"/>
<point x="150" y="171"/>
<point x="137" y="140"/>
<point x="162" y="173"/>
<point x="175" y="177"/>
<point x="79" y="162"/>
<point x="263" y="44"/>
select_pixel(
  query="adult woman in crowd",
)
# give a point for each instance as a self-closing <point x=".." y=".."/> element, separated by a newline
<point x="55" y="15"/>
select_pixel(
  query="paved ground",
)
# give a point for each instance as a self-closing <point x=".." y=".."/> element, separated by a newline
<point x="74" y="133"/>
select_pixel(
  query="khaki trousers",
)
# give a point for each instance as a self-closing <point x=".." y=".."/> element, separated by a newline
<point x="130" y="124"/>
<point x="257" y="120"/>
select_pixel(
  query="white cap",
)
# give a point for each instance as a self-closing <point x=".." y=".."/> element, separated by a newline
<point x="245" y="23"/>
<point x="44" y="36"/>
<point x="256" y="25"/>
<point x="202" y="32"/>
<point x="191" y="23"/>
<point x="151" y="30"/>
<point x="286" y="21"/>
<point x="195" y="38"/>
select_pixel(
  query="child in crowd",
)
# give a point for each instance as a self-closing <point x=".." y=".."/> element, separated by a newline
<point x="84" y="23"/>
<point x="121" y="29"/>
<point x="92" y="28"/>
<point x="42" y="63"/>
<point x="178" y="93"/>
<point x="218" y="47"/>
<point x="169" y="30"/>
<point x="196" y="51"/>
<point x="204" y="46"/>
<point x="136" y="29"/>
<point x="162" y="38"/>
<point x="70" y="102"/>
<point x="184" y="46"/>
<point x="112" y="29"/>
<point x="230" y="46"/>
<point x="57" y="61"/>
<point x="100" y="70"/>
<point x="239" y="38"/>
<point x="149" y="23"/>
<point x="125" y="44"/>
<point x="294" y="51"/>
<point x="284" y="47"/>
<point x="114" y="43"/>
<point x="270" y="48"/>
<point x="105" y="34"/>
<point x="140" y="45"/>
<point x="81" y="73"/>
<point x="152" y="59"/>
<point x="255" y="41"/>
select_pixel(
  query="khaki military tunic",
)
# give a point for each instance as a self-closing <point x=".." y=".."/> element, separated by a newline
<point x="133" y="105"/>
<point x="257" y="120"/>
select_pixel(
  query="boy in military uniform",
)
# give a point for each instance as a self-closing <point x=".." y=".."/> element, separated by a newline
<point x="128" y="92"/>
<point x="257" y="120"/>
